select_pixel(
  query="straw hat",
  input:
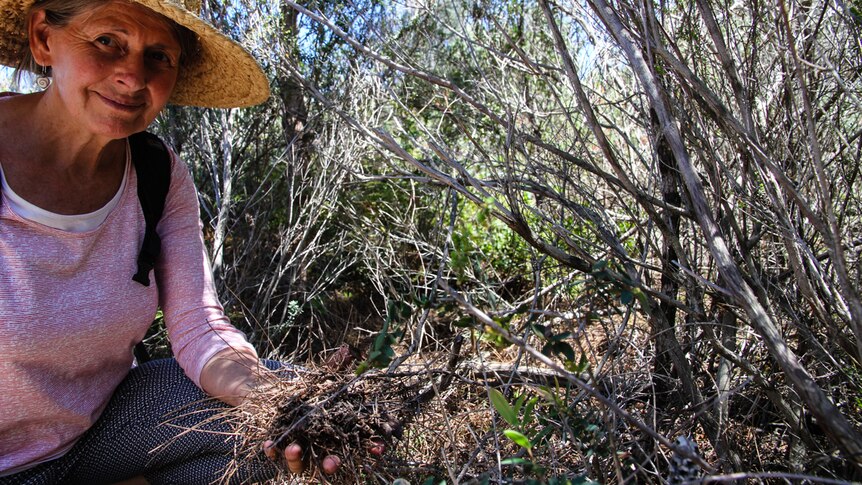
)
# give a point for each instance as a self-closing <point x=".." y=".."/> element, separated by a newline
<point x="223" y="75"/>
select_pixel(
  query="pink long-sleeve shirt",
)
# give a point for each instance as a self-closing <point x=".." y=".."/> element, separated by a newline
<point x="70" y="315"/>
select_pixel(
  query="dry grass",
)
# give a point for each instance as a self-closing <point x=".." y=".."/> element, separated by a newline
<point x="434" y="422"/>
<point x="438" y="423"/>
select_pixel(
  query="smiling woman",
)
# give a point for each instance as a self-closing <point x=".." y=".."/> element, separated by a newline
<point x="74" y="408"/>
<point x="115" y="66"/>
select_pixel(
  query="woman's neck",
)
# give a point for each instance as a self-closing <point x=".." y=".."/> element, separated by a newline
<point x="52" y="163"/>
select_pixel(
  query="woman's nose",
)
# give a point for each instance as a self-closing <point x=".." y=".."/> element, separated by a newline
<point x="132" y="71"/>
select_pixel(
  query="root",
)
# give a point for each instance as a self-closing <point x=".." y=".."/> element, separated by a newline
<point x="336" y="413"/>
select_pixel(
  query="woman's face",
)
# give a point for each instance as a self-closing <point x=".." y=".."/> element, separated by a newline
<point x="113" y="67"/>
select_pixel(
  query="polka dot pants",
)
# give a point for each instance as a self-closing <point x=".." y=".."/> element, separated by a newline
<point x="144" y="431"/>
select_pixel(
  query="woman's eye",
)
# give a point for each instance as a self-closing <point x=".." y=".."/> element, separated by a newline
<point x="105" y="41"/>
<point x="162" y="57"/>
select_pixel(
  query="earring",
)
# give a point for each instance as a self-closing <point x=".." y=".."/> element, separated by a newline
<point x="43" y="80"/>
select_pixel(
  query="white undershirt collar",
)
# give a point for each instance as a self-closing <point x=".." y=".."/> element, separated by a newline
<point x="64" y="222"/>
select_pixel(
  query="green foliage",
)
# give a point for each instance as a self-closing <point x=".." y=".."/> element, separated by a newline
<point x="852" y="383"/>
<point x="534" y="419"/>
<point x="484" y="248"/>
<point x="555" y="344"/>
<point x="581" y="423"/>
<point x="381" y="353"/>
<point x="608" y="280"/>
<point x="278" y="330"/>
<point x="156" y="339"/>
<point x="519" y="440"/>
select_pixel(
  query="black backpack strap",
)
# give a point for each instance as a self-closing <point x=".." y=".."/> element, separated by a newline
<point x="142" y="355"/>
<point x="153" y="167"/>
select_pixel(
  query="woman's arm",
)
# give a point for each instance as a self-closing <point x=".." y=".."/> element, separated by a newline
<point x="196" y="322"/>
<point x="231" y="374"/>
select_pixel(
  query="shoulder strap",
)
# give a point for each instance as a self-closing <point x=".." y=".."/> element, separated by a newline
<point x="153" y="168"/>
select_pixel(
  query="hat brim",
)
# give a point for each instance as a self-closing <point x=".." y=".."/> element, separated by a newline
<point x="222" y="75"/>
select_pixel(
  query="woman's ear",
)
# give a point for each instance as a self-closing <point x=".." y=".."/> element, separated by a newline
<point x="38" y="31"/>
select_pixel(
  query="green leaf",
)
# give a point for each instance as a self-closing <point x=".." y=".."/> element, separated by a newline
<point x="528" y="410"/>
<point x="362" y="368"/>
<point x="502" y="406"/>
<point x="406" y="311"/>
<point x="464" y="322"/>
<point x="643" y="299"/>
<point x="398" y="310"/>
<point x="577" y="368"/>
<point x="515" y="461"/>
<point x="547" y="393"/>
<point x="543" y="434"/>
<point x="600" y="265"/>
<point x="380" y="340"/>
<point x="422" y="301"/>
<point x="562" y="336"/>
<point x="565" y="349"/>
<point x="503" y="321"/>
<point x="518" y="438"/>
<point x="561" y="348"/>
<point x="626" y="297"/>
<point x="539" y="330"/>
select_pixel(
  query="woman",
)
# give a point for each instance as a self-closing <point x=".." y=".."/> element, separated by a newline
<point x="71" y="411"/>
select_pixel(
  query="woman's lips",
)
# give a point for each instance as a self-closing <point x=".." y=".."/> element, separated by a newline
<point x="122" y="104"/>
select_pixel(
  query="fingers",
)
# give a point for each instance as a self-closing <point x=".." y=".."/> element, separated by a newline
<point x="330" y="464"/>
<point x="269" y="449"/>
<point x="293" y="456"/>
<point x="376" y="447"/>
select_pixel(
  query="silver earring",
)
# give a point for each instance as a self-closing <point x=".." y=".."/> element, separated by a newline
<point x="43" y="80"/>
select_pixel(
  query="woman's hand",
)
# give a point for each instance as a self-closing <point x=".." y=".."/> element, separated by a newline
<point x="329" y="465"/>
<point x="230" y="375"/>
<point x="294" y="459"/>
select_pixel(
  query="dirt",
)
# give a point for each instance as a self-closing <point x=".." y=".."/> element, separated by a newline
<point x="329" y="410"/>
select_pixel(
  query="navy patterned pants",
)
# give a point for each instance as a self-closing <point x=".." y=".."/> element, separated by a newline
<point x="144" y="432"/>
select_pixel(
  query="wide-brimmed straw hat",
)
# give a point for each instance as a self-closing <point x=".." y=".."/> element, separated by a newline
<point x="222" y="74"/>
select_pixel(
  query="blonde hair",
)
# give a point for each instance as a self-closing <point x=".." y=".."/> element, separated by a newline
<point x="58" y="13"/>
